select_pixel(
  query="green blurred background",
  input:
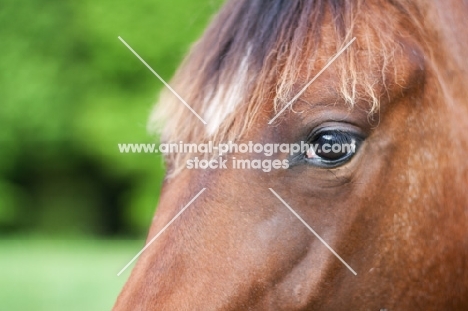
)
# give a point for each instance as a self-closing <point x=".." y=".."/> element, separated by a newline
<point x="73" y="210"/>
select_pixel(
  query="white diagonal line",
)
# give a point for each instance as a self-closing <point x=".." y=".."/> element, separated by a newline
<point x="162" y="80"/>
<point x="312" y="230"/>
<point x="160" y="232"/>
<point x="313" y="79"/>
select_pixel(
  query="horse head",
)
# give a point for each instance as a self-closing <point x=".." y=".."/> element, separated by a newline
<point x="381" y="226"/>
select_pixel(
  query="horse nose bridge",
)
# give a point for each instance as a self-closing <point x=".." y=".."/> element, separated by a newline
<point x="173" y="207"/>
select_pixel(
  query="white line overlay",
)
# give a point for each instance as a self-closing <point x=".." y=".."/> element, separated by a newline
<point x="162" y="80"/>
<point x="313" y="79"/>
<point x="160" y="232"/>
<point x="312" y="230"/>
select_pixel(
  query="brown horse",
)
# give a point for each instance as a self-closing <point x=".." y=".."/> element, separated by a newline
<point x="395" y="210"/>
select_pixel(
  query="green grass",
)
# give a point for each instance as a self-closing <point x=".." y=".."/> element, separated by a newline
<point x="62" y="275"/>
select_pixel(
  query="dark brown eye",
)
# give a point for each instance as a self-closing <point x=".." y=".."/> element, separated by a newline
<point x="331" y="148"/>
<point x="333" y="145"/>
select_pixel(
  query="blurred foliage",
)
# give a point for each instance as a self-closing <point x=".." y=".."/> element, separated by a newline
<point x="44" y="275"/>
<point x="70" y="92"/>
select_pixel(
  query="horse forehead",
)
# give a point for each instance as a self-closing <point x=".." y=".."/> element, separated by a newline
<point x="406" y="67"/>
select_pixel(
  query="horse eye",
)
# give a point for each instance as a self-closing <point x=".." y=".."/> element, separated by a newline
<point x="332" y="148"/>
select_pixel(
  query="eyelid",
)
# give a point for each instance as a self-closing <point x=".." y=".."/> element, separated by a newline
<point x="332" y="125"/>
<point x="350" y="133"/>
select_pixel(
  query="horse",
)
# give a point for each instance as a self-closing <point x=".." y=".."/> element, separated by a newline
<point x="382" y="228"/>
